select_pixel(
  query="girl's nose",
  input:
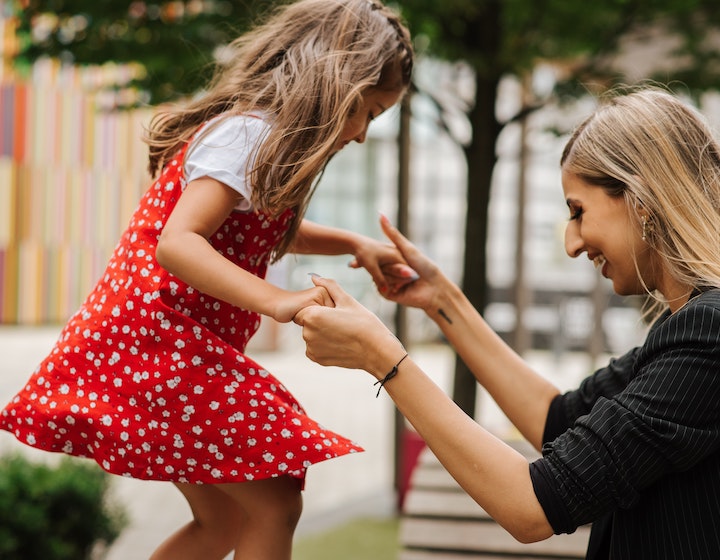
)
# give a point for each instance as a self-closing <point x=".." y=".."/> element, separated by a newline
<point x="573" y="240"/>
<point x="360" y="138"/>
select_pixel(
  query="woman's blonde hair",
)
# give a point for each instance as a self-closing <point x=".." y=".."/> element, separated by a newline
<point x="660" y="155"/>
<point x="306" y="67"/>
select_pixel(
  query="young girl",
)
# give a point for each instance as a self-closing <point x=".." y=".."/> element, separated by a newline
<point x="636" y="448"/>
<point x="149" y="378"/>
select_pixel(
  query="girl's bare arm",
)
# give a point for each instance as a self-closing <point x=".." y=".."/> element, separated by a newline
<point x="183" y="249"/>
<point x="382" y="260"/>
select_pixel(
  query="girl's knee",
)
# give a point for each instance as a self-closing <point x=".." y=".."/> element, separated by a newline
<point x="211" y="509"/>
<point x="284" y="503"/>
<point x="295" y="508"/>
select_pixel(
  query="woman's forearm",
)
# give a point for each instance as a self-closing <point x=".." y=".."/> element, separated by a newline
<point x="522" y="394"/>
<point x="496" y="476"/>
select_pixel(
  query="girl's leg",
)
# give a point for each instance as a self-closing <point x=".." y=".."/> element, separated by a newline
<point x="255" y="519"/>
<point x="214" y="530"/>
<point x="273" y="507"/>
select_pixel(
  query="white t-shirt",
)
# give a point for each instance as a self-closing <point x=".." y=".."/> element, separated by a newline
<point x="225" y="152"/>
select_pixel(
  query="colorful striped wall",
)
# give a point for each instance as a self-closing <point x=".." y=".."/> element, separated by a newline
<point x="71" y="172"/>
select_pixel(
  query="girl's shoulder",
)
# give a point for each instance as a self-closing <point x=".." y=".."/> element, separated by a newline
<point x="230" y="129"/>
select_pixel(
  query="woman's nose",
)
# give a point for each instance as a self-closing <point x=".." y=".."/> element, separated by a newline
<point x="573" y="241"/>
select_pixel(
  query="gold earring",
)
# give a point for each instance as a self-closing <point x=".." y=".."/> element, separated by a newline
<point x="646" y="228"/>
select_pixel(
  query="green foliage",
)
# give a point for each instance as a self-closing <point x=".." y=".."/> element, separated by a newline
<point x="583" y="35"/>
<point x="173" y="41"/>
<point x="54" y="513"/>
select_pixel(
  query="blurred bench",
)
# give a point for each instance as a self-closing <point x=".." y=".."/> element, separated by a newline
<point x="441" y="522"/>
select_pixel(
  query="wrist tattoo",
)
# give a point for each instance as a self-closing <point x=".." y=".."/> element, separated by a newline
<point x="444" y="316"/>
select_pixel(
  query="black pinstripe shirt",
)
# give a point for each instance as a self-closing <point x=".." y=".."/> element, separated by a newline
<point x="636" y="449"/>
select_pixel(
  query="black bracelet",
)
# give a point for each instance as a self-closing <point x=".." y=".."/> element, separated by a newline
<point x="392" y="373"/>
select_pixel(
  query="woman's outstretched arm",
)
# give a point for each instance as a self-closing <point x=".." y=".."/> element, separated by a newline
<point x="522" y="394"/>
<point x="496" y="476"/>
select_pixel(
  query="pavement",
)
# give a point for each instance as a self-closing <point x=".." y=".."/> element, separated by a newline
<point x="343" y="400"/>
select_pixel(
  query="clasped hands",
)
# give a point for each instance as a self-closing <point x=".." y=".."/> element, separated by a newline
<point x="349" y="335"/>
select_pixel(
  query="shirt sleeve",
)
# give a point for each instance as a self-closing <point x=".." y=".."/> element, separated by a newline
<point x="665" y="419"/>
<point x="225" y="152"/>
<point x="605" y="382"/>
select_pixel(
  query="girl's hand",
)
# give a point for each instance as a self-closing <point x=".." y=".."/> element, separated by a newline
<point x="382" y="260"/>
<point x="347" y="335"/>
<point x="287" y="306"/>
<point x="385" y="265"/>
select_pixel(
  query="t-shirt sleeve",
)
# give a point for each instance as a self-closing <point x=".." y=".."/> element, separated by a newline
<point x="666" y="420"/>
<point x="225" y="152"/>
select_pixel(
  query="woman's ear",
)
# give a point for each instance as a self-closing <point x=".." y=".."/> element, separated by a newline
<point x="647" y="226"/>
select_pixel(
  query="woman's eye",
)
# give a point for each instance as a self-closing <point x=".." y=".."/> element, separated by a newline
<point x="575" y="213"/>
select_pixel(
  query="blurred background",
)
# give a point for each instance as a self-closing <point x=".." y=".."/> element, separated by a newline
<point x="467" y="167"/>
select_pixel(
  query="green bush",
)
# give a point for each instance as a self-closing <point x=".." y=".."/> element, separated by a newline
<point x="55" y="512"/>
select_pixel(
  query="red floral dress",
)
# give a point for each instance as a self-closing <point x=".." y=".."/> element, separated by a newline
<point x="149" y="378"/>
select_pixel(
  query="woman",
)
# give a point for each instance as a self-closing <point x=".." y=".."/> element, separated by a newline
<point x="636" y="448"/>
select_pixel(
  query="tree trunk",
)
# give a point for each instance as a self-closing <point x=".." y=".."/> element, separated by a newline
<point x="481" y="157"/>
<point x="401" y="326"/>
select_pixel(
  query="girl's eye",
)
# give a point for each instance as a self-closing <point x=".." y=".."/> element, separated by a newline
<point x="575" y="213"/>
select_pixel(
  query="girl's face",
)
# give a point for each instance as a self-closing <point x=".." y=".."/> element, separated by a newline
<point x="373" y="103"/>
<point x="602" y="227"/>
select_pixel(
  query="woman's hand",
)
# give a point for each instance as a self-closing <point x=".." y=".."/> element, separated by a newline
<point x="343" y="335"/>
<point x="423" y="291"/>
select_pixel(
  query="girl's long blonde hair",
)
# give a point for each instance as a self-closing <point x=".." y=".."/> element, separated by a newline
<point x="306" y="69"/>
<point x="660" y="155"/>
